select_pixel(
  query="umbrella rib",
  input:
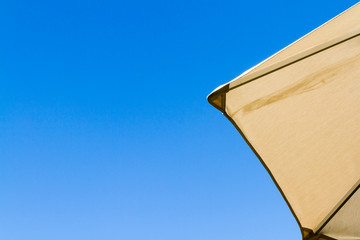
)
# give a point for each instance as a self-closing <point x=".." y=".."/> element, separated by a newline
<point x="294" y="59"/>
<point x="287" y="62"/>
<point x="338" y="206"/>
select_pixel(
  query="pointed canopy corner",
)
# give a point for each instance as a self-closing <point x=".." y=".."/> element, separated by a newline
<point x="217" y="97"/>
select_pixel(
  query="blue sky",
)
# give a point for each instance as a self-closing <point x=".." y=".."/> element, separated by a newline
<point x="105" y="131"/>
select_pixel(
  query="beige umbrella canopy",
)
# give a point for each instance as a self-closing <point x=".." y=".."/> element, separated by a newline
<point x="299" y="111"/>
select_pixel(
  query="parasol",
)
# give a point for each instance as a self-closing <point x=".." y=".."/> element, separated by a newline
<point x="299" y="111"/>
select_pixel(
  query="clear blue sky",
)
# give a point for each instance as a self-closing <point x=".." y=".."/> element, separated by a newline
<point x="105" y="131"/>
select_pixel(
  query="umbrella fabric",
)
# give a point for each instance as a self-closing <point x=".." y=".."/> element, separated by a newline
<point x="299" y="111"/>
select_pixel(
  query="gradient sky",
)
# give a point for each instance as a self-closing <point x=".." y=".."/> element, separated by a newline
<point x="105" y="131"/>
